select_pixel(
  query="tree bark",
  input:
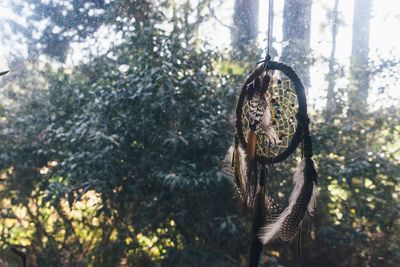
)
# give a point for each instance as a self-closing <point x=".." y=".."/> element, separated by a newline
<point x="245" y="27"/>
<point x="296" y="37"/>
<point x="359" y="80"/>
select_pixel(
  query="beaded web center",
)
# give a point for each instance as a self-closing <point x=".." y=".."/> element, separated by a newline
<point x="284" y="107"/>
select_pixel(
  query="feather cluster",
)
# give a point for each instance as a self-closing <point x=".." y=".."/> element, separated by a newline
<point x="239" y="168"/>
<point x="266" y="123"/>
<point x="257" y="106"/>
<point x="238" y="171"/>
<point x="302" y="201"/>
<point x="260" y="117"/>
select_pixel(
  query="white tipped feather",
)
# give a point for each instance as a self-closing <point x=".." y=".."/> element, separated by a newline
<point x="238" y="154"/>
<point x="314" y="196"/>
<point x="239" y="157"/>
<point x="313" y="201"/>
<point x="270" y="231"/>
<point x="229" y="157"/>
<point x="227" y="163"/>
<point x="244" y="180"/>
<point x="243" y="162"/>
<point x="266" y="124"/>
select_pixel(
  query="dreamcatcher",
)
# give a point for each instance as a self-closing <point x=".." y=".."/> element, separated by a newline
<point x="271" y="122"/>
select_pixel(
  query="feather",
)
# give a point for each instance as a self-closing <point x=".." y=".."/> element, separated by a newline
<point x="265" y="83"/>
<point x="228" y="163"/>
<point x="251" y="146"/>
<point x="313" y="176"/>
<point x="260" y="111"/>
<point x="313" y="201"/>
<point x="301" y="200"/>
<point x="257" y="84"/>
<point x="257" y="106"/>
<point x="250" y="91"/>
<point x="266" y="124"/>
<point x="272" y="210"/>
<point x="251" y="175"/>
<point x="238" y="171"/>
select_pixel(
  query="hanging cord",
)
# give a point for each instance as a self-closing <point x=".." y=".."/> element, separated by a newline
<point x="258" y="220"/>
<point x="269" y="33"/>
<point x="270" y="17"/>
<point x="259" y="212"/>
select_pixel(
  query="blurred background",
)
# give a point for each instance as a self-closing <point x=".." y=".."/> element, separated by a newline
<point x="116" y="115"/>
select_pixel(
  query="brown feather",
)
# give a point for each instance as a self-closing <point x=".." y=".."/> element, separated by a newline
<point x="252" y="184"/>
<point x="251" y="147"/>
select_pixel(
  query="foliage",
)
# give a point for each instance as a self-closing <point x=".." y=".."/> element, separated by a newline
<point x="139" y="135"/>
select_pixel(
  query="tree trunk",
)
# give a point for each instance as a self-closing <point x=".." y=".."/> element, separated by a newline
<point x="245" y="27"/>
<point x="331" y="102"/>
<point x="296" y="34"/>
<point x="359" y="80"/>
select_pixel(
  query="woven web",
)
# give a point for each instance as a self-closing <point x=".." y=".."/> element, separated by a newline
<point x="283" y="110"/>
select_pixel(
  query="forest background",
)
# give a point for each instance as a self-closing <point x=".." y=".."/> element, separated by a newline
<point x="116" y="115"/>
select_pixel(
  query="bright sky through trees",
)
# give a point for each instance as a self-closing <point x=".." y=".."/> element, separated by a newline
<point x="384" y="42"/>
<point x="384" y="39"/>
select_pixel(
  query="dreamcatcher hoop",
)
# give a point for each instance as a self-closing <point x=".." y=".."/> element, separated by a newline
<point x="301" y="115"/>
